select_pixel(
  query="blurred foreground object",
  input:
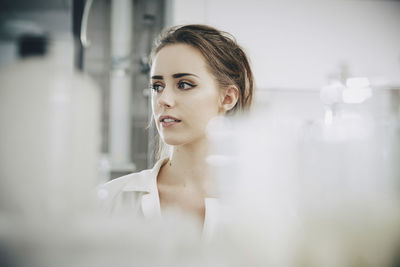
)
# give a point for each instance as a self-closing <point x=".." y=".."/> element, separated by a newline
<point x="50" y="134"/>
<point x="293" y="193"/>
<point x="312" y="193"/>
<point x="49" y="142"/>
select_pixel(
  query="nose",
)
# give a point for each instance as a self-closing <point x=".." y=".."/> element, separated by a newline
<point x="166" y="98"/>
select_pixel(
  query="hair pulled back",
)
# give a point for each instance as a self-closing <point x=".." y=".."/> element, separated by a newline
<point x="225" y="59"/>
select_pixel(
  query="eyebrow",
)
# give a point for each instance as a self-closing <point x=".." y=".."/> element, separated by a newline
<point x="176" y="75"/>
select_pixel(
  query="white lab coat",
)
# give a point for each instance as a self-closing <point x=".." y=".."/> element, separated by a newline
<point x="137" y="194"/>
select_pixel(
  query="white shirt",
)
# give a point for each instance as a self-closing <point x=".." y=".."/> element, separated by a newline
<point x="137" y="193"/>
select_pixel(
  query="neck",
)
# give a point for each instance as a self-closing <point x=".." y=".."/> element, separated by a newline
<point x="187" y="164"/>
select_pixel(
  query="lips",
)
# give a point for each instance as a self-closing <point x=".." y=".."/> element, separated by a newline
<point x="167" y="121"/>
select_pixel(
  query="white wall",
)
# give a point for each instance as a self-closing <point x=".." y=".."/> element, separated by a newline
<point x="300" y="44"/>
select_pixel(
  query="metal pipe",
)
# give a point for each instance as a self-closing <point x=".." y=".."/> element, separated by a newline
<point x="120" y="86"/>
<point x="85" y="17"/>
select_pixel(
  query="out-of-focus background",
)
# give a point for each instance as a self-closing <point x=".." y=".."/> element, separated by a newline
<point x="295" y="47"/>
<point x="309" y="178"/>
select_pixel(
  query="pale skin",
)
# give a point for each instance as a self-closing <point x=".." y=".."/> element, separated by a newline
<point x="187" y="95"/>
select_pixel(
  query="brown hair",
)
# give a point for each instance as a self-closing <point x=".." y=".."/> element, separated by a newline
<point x="225" y="59"/>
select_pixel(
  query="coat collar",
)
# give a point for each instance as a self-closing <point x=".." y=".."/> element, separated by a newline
<point x="147" y="181"/>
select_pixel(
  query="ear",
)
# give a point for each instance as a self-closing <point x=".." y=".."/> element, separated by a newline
<point x="229" y="98"/>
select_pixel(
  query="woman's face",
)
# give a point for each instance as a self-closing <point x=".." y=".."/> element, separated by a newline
<point x="185" y="95"/>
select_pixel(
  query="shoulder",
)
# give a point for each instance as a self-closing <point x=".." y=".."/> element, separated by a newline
<point x="127" y="190"/>
<point x="123" y="194"/>
<point x="139" y="181"/>
<point x="135" y="181"/>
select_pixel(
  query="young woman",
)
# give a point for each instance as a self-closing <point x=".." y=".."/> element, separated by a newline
<point x="197" y="73"/>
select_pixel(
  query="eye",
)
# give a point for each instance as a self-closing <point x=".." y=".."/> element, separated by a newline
<point x="185" y="85"/>
<point x="157" y="87"/>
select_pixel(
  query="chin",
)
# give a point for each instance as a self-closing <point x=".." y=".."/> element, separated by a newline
<point x="179" y="140"/>
<point x="173" y="140"/>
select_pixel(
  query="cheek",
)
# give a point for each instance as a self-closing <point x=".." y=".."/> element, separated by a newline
<point x="202" y="109"/>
